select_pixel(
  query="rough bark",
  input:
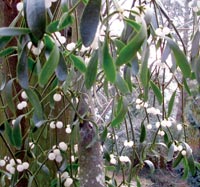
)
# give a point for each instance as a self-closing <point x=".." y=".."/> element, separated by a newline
<point x="90" y="158"/>
<point x="89" y="149"/>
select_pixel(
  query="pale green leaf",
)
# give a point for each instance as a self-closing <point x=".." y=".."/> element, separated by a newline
<point x="91" y="72"/>
<point x="181" y="59"/>
<point x="108" y="64"/>
<point x="49" y="66"/>
<point x="78" y="63"/>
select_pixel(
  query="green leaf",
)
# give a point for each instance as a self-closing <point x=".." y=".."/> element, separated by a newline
<point x="61" y="70"/>
<point x="144" y="69"/>
<point x="53" y="26"/>
<point x="49" y="66"/>
<point x="191" y="164"/>
<point x="119" y="44"/>
<point x="8" y="51"/>
<point x="127" y="77"/>
<point x="128" y="52"/>
<point x="121" y="112"/>
<point x="4" y="41"/>
<point x="22" y="68"/>
<point x="151" y="165"/>
<point x="13" y="31"/>
<point x="197" y="69"/>
<point x="104" y="134"/>
<point x="35" y="102"/>
<point x="89" y="21"/>
<point x="9" y="133"/>
<point x="157" y="92"/>
<point x="16" y="133"/>
<point x="8" y="92"/>
<point x="171" y="104"/>
<point x="133" y="24"/>
<point x="138" y="181"/>
<point x="108" y="64"/>
<point x="121" y="85"/>
<point x="142" y="133"/>
<point x="180" y="58"/>
<point x="91" y="72"/>
<point x="78" y="63"/>
<point x="186" y="86"/>
<point x="36" y="17"/>
<point x="186" y="168"/>
<point x="65" y="20"/>
<point x="177" y="160"/>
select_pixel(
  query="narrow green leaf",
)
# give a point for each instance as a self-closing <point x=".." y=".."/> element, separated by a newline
<point x="138" y="181"/>
<point x="197" y="69"/>
<point x="17" y="135"/>
<point x="144" y="69"/>
<point x="121" y="84"/>
<point x="191" y="164"/>
<point x="9" y="133"/>
<point x="53" y="26"/>
<point x="35" y="102"/>
<point x="151" y="165"/>
<point x="142" y="133"/>
<point x="105" y="88"/>
<point x="177" y="160"/>
<point x="13" y="31"/>
<point x="49" y="66"/>
<point x="186" y="86"/>
<point x="104" y="134"/>
<point x="180" y="58"/>
<point x="89" y="21"/>
<point x="119" y="44"/>
<point x="133" y="24"/>
<point x="61" y="70"/>
<point x="171" y="104"/>
<point x="65" y="20"/>
<point x="157" y="92"/>
<point x="108" y="64"/>
<point x="78" y="63"/>
<point x="8" y="51"/>
<point x="127" y="77"/>
<point x="4" y="40"/>
<point x="128" y="52"/>
<point x="8" y="93"/>
<point x="91" y="72"/>
<point x="121" y="114"/>
<point x="186" y="168"/>
<point x="22" y="68"/>
<point x="36" y="17"/>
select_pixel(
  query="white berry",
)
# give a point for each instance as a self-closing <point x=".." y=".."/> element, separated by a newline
<point x="57" y="97"/>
